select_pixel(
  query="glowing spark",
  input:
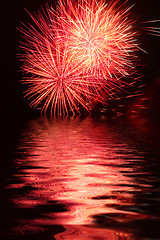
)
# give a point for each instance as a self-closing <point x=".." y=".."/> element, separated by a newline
<point x="78" y="54"/>
<point x="153" y="30"/>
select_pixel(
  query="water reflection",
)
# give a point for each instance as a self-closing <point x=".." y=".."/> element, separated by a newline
<point x="82" y="175"/>
<point x="82" y="232"/>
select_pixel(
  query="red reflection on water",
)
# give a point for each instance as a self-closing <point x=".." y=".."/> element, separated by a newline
<point x="89" y="233"/>
<point x="78" y="164"/>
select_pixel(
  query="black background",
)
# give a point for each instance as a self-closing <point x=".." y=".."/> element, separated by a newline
<point x="12" y="101"/>
<point x="14" y="109"/>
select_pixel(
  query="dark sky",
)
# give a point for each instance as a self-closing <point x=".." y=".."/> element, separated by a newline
<point x="14" y="12"/>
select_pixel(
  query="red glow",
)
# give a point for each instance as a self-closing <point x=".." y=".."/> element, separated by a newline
<point x="79" y="169"/>
<point x="89" y="233"/>
<point x="78" y="54"/>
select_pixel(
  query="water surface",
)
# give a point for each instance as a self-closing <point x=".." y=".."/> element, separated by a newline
<point x="85" y="179"/>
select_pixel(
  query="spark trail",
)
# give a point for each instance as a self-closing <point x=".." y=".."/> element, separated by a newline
<point x="78" y="54"/>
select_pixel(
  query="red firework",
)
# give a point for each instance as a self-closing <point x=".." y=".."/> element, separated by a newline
<point x="78" y="54"/>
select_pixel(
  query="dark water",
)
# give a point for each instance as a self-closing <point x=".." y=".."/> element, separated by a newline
<point x="84" y="179"/>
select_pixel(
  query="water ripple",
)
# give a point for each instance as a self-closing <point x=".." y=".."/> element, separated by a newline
<point x="83" y="175"/>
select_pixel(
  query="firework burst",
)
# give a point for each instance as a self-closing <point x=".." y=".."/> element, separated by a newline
<point x="78" y="54"/>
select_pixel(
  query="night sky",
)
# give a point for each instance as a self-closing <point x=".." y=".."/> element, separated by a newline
<point x="12" y="103"/>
